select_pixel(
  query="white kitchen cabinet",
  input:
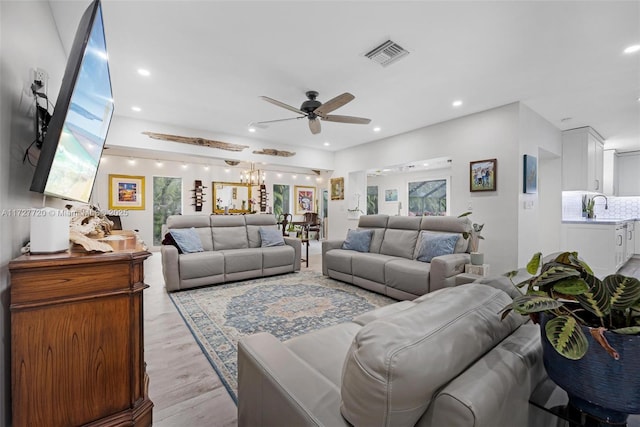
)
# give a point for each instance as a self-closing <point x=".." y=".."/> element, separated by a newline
<point x="631" y="240"/>
<point x="610" y="173"/>
<point x="637" y="239"/>
<point x="602" y="246"/>
<point x="582" y="159"/>
<point x="628" y="173"/>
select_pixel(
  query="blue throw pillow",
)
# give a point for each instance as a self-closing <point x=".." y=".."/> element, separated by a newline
<point x="187" y="240"/>
<point x="358" y="240"/>
<point x="271" y="237"/>
<point x="436" y="244"/>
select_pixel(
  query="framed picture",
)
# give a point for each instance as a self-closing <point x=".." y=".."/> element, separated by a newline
<point x="483" y="175"/>
<point x="337" y="188"/>
<point x="530" y="178"/>
<point x="305" y="199"/>
<point x="126" y="192"/>
<point x="391" y="195"/>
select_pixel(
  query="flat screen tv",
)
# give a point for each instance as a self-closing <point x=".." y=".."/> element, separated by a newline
<point x="72" y="147"/>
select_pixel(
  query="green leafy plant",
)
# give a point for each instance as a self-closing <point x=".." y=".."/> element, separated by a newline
<point x="567" y="290"/>
<point x="473" y="234"/>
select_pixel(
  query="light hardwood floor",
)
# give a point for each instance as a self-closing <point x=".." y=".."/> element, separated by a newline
<point x="183" y="386"/>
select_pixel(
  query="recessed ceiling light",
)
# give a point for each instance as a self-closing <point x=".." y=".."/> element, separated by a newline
<point x="143" y="72"/>
<point x="456" y="103"/>
<point x="158" y="163"/>
<point x="326" y="144"/>
<point x="294" y="176"/>
<point x="206" y="168"/>
<point x="377" y="129"/>
<point x="386" y="170"/>
<point x="136" y="109"/>
<point x="252" y="129"/>
<point x="308" y="178"/>
<point x="632" y="49"/>
<point x="425" y="164"/>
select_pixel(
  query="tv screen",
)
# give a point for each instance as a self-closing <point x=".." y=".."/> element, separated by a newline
<point x="73" y="144"/>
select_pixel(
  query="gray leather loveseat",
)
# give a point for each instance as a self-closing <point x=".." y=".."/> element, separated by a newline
<point x="232" y="251"/>
<point x="443" y="359"/>
<point x="390" y="266"/>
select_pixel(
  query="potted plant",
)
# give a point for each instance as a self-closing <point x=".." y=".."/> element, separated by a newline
<point x="291" y="230"/>
<point x="590" y="330"/>
<point x="474" y="237"/>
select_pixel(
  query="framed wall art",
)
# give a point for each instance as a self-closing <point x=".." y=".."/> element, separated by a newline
<point x="391" y="195"/>
<point x="483" y="175"/>
<point x="337" y="188"/>
<point x="126" y="192"/>
<point x="305" y="199"/>
<point x="530" y="178"/>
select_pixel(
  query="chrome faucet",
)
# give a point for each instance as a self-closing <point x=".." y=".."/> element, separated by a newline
<point x="606" y="201"/>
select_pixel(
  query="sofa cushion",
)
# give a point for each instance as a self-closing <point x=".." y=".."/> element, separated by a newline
<point x="339" y="260"/>
<point x="408" y="276"/>
<point x="448" y="224"/>
<point x="277" y="256"/>
<point x="187" y="240"/>
<point x="325" y="348"/>
<point x="238" y="260"/>
<point x="370" y="266"/>
<point x="358" y="240"/>
<point x="431" y="245"/>
<point x="201" y="264"/>
<point x="396" y="365"/>
<point x="254" y="223"/>
<point x="202" y="224"/>
<point x="229" y="232"/>
<point x="377" y="223"/>
<point x="400" y="243"/>
<point x="270" y="237"/>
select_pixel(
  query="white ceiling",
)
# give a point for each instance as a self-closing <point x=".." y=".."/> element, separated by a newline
<point x="211" y="60"/>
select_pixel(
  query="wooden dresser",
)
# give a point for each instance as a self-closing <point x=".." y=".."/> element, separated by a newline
<point x="77" y="339"/>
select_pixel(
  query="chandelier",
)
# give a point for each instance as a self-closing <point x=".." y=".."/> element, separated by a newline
<point x="252" y="176"/>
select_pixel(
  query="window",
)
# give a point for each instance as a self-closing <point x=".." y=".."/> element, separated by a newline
<point x="167" y="200"/>
<point x="281" y="199"/>
<point x="428" y="198"/>
<point x="372" y="199"/>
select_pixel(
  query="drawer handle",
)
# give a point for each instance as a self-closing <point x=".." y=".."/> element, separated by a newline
<point x="620" y="238"/>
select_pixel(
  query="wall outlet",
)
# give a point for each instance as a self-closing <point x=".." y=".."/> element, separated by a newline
<point x="41" y="76"/>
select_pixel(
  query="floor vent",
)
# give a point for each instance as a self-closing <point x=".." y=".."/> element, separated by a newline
<point x="387" y="53"/>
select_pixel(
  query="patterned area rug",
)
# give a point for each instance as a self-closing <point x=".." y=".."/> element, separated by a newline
<point x="285" y="306"/>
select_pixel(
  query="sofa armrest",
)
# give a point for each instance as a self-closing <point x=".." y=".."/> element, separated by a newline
<point x="278" y="388"/>
<point x="297" y="247"/>
<point x="170" y="267"/>
<point x="445" y="266"/>
<point x="327" y="245"/>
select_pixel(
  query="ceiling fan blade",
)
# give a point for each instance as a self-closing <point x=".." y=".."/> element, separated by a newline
<point x="334" y="103"/>
<point x="264" y="124"/>
<point x="283" y="105"/>
<point x="347" y="119"/>
<point x="314" y="125"/>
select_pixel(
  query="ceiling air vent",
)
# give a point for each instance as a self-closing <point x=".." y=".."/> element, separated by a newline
<point x="387" y="53"/>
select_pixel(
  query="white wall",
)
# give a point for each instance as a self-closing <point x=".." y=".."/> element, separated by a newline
<point x="485" y="135"/>
<point x="28" y="39"/>
<point x="189" y="172"/>
<point x="539" y="214"/>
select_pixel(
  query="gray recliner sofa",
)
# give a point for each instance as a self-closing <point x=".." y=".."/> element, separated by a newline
<point x="443" y="359"/>
<point x="232" y="251"/>
<point x="390" y="267"/>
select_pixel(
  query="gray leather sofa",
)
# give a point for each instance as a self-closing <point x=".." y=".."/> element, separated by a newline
<point x="232" y="251"/>
<point x="390" y="266"/>
<point x="443" y="359"/>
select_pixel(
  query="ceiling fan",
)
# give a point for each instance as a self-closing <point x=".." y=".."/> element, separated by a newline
<point x="315" y="111"/>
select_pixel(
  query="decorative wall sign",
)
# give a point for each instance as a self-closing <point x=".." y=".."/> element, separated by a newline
<point x="337" y="188"/>
<point x="483" y="175"/>
<point x="305" y="199"/>
<point x="530" y="178"/>
<point x="126" y="192"/>
<point x="197" y="141"/>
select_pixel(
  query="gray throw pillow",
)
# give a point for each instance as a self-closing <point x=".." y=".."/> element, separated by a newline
<point x="358" y="240"/>
<point x="187" y="240"/>
<point x="436" y="244"/>
<point x="271" y="237"/>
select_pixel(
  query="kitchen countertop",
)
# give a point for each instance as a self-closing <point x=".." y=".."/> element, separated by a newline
<point x="602" y="221"/>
